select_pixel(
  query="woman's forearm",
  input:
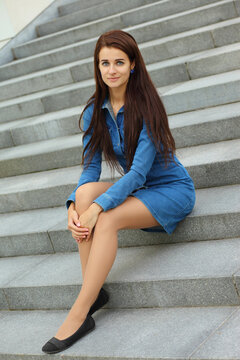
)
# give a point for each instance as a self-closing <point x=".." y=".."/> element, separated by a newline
<point x="96" y="207"/>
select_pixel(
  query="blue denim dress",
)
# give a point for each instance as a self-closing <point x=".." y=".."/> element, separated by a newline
<point x="168" y="193"/>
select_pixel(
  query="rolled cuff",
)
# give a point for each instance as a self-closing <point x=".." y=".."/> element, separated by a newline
<point x="105" y="201"/>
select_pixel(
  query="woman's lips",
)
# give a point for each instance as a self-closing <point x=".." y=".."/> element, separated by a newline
<point x="113" y="79"/>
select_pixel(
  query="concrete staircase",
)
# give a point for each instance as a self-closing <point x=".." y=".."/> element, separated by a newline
<point x="171" y="296"/>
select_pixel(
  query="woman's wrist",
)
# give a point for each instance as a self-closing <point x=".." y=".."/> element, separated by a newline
<point x="96" y="207"/>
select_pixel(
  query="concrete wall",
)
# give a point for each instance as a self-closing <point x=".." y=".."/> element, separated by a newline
<point x="16" y="14"/>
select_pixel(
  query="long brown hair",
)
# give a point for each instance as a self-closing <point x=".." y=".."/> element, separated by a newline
<point x="142" y="101"/>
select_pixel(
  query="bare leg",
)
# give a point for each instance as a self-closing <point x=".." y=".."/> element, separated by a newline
<point x="98" y="266"/>
<point x="84" y="197"/>
<point x="85" y="194"/>
<point x="132" y="213"/>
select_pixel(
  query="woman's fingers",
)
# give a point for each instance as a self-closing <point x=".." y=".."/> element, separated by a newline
<point x="80" y="232"/>
<point x="83" y="236"/>
<point x="76" y="229"/>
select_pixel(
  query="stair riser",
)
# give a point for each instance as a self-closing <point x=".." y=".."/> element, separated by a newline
<point x="202" y="98"/>
<point x="214" y="65"/>
<point x="59" y="239"/>
<point x="162" y="76"/>
<point x="174" y="103"/>
<point x="77" y="5"/>
<point x="204" y="175"/>
<point x="166" y="9"/>
<point x="102" y="10"/>
<point x="21" y="111"/>
<point x="204" y="133"/>
<point x="166" y="293"/>
<point x="168" y="27"/>
<point x="187" y="44"/>
<point x="35" y="84"/>
<point x="42" y="131"/>
<point x="212" y="95"/>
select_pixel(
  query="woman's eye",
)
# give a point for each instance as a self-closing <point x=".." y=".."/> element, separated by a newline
<point x="106" y="63"/>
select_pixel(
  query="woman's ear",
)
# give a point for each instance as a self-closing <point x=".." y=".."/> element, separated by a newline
<point x="133" y="65"/>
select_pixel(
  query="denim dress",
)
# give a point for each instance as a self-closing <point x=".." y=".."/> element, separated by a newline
<point x="168" y="193"/>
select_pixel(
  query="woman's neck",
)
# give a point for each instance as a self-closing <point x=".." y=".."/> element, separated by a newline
<point x="116" y="96"/>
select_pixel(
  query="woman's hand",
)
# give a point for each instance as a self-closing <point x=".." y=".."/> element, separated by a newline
<point x="89" y="218"/>
<point x="82" y="226"/>
<point x="78" y="232"/>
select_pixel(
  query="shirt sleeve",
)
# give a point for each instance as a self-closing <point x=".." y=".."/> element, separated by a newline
<point x="142" y="162"/>
<point x="93" y="172"/>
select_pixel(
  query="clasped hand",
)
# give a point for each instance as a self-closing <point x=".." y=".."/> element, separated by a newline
<point x="82" y="226"/>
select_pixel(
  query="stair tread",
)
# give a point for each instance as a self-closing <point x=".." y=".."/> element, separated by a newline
<point x="199" y="116"/>
<point x="132" y="264"/>
<point x="40" y="94"/>
<point x="147" y="333"/>
<point x="164" y="39"/>
<point x="167" y="90"/>
<point x="42" y="118"/>
<point x="219" y="200"/>
<point x="191" y="155"/>
<point x="42" y="72"/>
<point x="231" y="48"/>
<point x="129" y="11"/>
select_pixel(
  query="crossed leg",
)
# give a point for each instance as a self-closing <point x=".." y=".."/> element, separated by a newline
<point x="101" y="252"/>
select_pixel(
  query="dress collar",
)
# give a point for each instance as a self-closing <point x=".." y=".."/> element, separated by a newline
<point x="107" y="105"/>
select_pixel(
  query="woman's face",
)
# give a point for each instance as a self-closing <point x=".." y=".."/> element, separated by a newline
<point x="114" y="66"/>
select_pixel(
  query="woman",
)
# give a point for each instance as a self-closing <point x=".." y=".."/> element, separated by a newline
<point x="125" y="120"/>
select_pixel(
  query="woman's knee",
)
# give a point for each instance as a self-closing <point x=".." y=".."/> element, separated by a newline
<point x="106" y="222"/>
<point x="85" y="193"/>
<point x="88" y="192"/>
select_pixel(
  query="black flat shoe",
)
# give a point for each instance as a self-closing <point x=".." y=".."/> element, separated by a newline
<point x="55" y="345"/>
<point x="101" y="300"/>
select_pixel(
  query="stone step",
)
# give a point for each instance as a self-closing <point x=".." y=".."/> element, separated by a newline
<point x="40" y="127"/>
<point x="143" y="31"/>
<point x="148" y="270"/>
<point x="174" y="70"/>
<point x="187" y="42"/>
<point x="205" y="164"/>
<point x="190" y="128"/>
<point x="66" y="151"/>
<point x="166" y="5"/>
<point x="79" y="5"/>
<point x="42" y="231"/>
<point x="106" y="9"/>
<point x="201" y="93"/>
<point x="184" y="96"/>
<point x="158" y="333"/>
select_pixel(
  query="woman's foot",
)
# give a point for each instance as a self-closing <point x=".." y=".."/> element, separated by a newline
<point x="69" y="326"/>
<point x="55" y="345"/>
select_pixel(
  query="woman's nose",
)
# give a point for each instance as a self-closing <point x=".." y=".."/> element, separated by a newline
<point x="112" y="69"/>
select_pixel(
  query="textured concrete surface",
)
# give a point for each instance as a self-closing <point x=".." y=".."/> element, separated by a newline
<point x="126" y="334"/>
<point x="143" y="276"/>
<point x="187" y="42"/>
<point x="205" y="164"/>
<point x="191" y="128"/>
<point x="177" y="22"/>
<point x="158" y="281"/>
<point x="218" y="220"/>
<point x="162" y="73"/>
